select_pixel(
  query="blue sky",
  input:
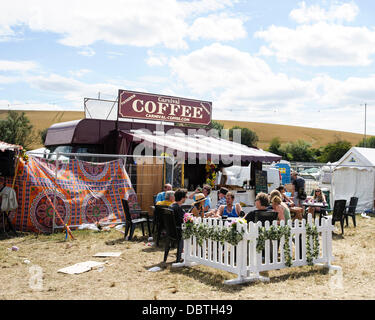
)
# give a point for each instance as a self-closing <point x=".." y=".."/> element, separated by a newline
<point x="305" y="63"/>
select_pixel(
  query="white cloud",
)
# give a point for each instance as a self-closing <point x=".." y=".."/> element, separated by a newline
<point x="321" y="44"/>
<point x="79" y="73"/>
<point x="243" y="87"/>
<point x="234" y="75"/>
<point x="218" y="27"/>
<point x="17" y="66"/>
<point x="87" y="52"/>
<point x="314" y="13"/>
<point x="81" y="23"/>
<point x="155" y="59"/>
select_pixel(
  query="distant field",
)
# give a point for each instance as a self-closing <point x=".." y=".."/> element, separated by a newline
<point x="266" y="132"/>
<point x="44" y="119"/>
<point x="317" y="137"/>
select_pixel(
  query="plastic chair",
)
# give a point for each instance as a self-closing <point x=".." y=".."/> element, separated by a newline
<point x="173" y="233"/>
<point x="158" y="222"/>
<point x="350" y="210"/>
<point x="338" y="213"/>
<point x="186" y="207"/>
<point x="264" y="216"/>
<point x="132" y="223"/>
<point x="261" y="215"/>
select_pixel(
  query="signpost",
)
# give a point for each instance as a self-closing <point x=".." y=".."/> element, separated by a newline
<point x="149" y="106"/>
<point x="261" y="181"/>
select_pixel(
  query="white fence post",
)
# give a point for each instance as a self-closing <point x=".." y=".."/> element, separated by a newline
<point x="244" y="260"/>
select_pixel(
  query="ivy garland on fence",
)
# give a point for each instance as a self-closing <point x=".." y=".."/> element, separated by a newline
<point x="275" y="233"/>
<point x="231" y="235"/>
<point x="312" y="252"/>
<point x="203" y="232"/>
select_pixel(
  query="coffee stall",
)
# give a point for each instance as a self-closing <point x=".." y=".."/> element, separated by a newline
<point x="180" y="130"/>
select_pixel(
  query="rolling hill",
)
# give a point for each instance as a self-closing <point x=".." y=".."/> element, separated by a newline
<point x="265" y="131"/>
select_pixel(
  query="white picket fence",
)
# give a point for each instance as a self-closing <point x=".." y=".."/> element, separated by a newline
<point x="244" y="260"/>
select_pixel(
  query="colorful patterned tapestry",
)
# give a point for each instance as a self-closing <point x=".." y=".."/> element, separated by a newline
<point x="81" y="192"/>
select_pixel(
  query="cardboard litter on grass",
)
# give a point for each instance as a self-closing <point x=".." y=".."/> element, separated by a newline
<point x="81" y="267"/>
<point x="107" y="254"/>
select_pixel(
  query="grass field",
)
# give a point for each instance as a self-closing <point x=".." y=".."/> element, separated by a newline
<point x="127" y="277"/>
<point x="317" y="137"/>
<point x="266" y="132"/>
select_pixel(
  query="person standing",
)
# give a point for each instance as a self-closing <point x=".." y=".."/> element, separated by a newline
<point x="180" y="197"/>
<point x="299" y="189"/>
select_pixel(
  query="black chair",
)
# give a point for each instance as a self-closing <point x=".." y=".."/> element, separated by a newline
<point x="350" y="210"/>
<point x="264" y="216"/>
<point x="132" y="223"/>
<point x="261" y="215"/>
<point x="158" y="222"/>
<point x="173" y="233"/>
<point x="186" y="207"/>
<point x="338" y="213"/>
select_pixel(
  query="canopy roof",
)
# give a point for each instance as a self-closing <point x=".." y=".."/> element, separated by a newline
<point x="195" y="145"/>
<point x="7" y="146"/>
<point x="358" y="157"/>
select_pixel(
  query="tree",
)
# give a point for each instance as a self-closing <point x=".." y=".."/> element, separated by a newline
<point x="17" y="129"/>
<point x="248" y="137"/>
<point x="43" y="135"/>
<point x="299" y="150"/>
<point x="275" y="145"/>
<point x="370" y="143"/>
<point x="216" y="125"/>
<point x="334" y="151"/>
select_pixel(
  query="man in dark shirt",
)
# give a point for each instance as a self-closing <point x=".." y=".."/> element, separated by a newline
<point x="299" y="188"/>
<point x="180" y="197"/>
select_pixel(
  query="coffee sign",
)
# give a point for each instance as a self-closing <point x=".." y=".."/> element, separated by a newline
<point x="148" y="106"/>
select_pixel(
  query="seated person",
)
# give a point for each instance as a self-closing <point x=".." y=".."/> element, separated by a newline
<point x="295" y="212"/>
<point x="317" y="197"/>
<point x="206" y="190"/>
<point x="161" y="195"/>
<point x="261" y="203"/>
<point x="169" y="199"/>
<point x="222" y="202"/>
<point x="198" y="206"/>
<point x="281" y="208"/>
<point x="180" y="197"/>
<point x="229" y="210"/>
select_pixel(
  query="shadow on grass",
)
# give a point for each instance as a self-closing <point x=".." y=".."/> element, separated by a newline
<point x="215" y="278"/>
<point x="337" y="236"/>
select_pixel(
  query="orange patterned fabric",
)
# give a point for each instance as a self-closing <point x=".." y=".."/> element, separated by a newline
<point x="76" y="191"/>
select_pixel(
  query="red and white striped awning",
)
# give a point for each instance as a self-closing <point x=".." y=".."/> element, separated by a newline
<point x="7" y="146"/>
<point x="194" y="145"/>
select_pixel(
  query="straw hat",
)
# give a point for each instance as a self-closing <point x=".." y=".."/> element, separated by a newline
<point x="199" y="197"/>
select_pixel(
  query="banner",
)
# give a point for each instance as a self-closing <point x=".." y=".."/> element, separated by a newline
<point x="137" y="105"/>
<point x="80" y="191"/>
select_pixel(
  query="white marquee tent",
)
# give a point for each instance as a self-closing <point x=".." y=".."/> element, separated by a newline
<point x="354" y="176"/>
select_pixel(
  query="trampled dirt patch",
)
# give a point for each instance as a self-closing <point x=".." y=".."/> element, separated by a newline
<point x="127" y="276"/>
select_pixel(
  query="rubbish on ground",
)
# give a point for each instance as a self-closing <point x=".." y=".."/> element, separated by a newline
<point x="119" y="226"/>
<point x="107" y="254"/>
<point x="150" y="239"/>
<point x="26" y="261"/>
<point x="81" y="267"/>
<point x="14" y="248"/>
<point x="154" y="269"/>
<point x="364" y="215"/>
<point x="88" y="226"/>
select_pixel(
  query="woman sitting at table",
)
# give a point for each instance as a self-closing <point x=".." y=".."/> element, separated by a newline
<point x="198" y="205"/>
<point x="296" y="212"/>
<point x="229" y="210"/>
<point x="318" y="197"/>
<point x="281" y="208"/>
